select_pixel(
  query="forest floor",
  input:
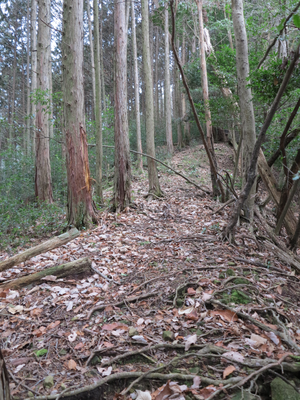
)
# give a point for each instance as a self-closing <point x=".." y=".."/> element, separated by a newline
<point x="179" y="304"/>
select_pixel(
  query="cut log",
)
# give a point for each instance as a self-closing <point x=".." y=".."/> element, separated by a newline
<point x="74" y="267"/>
<point x="41" y="248"/>
<point x="4" y="382"/>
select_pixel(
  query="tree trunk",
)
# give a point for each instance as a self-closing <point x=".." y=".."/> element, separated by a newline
<point x="12" y="123"/>
<point x="4" y="380"/>
<point x="154" y="187"/>
<point x="80" y="207"/>
<point x="92" y="53"/>
<point x="33" y="67"/>
<point x="27" y="149"/>
<point x="209" y="135"/>
<point x="136" y="91"/>
<point x="43" y="184"/>
<point x="98" y="108"/>
<point x="245" y="97"/>
<point x="156" y="104"/>
<point x="101" y="58"/>
<point x="122" y="182"/>
<point x="167" y="91"/>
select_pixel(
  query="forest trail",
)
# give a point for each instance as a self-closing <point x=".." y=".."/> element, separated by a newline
<point x="195" y="293"/>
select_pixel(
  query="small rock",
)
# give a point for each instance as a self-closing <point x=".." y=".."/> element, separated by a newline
<point x="48" y="381"/>
<point x="132" y="331"/>
<point x="168" y="336"/>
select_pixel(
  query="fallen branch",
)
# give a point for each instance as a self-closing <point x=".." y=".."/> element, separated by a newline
<point x="255" y="373"/>
<point x="61" y="271"/>
<point x="133" y="375"/>
<point x="262" y="326"/>
<point x="223" y="206"/>
<point x="41" y="248"/>
<point x="120" y="303"/>
<point x="207" y="191"/>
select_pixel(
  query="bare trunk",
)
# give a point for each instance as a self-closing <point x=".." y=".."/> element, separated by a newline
<point x="167" y="90"/>
<point x="80" y="206"/>
<point x="154" y="187"/>
<point x="122" y="184"/>
<point x="33" y="66"/>
<point x="43" y="184"/>
<point x="156" y="103"/>
<point x="136" y="91"/>
<point x="245" y="97"/>
<point x="92" y="54"/>
<point x="209" y="135"/>
<point x="12" y="123"/>
<point x="98" y="111"/>
<point x="101" y="59"/>
<point x="27" y="149"/>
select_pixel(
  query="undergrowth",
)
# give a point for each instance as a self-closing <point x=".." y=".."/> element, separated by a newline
<point x="20" y="223"/>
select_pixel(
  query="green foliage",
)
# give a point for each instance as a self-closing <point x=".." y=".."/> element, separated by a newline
<point x="266" y="81"/>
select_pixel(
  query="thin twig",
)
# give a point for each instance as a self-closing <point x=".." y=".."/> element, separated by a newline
<point x="255" y="373"/>
<point x="120" y="303"/>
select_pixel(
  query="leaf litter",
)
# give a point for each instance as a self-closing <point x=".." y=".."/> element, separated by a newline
<point x="178" y="304"/>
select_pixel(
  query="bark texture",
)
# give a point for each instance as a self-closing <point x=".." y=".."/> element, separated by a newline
<point x="43" y="184"/>
<point x="209" y="134"/>
<point x="122" y="183"/>
<point x="136" y="91"/>
<point x="4" y="380"/>
<point x="154" y="187"/>
<point x="41" y="248"/>
<point x="33" y="66"/>
<point x="245" y="97"/>
<point x="80" y="207"/>
<point x="61" y="271"/>
<point x="98" y="111"/>
<point x="168" y="116"/>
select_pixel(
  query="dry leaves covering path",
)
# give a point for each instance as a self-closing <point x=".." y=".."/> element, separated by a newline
<point x="173" y="303"/>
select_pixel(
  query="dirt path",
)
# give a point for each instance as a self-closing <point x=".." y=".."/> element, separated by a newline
<point x="169" y="254"/>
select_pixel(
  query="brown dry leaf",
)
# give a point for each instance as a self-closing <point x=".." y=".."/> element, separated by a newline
<point x="228" y="370"/>
<point x="36" y="312"/>
<point x="279" y="289"/>
<point x="114" y="326"/>
<point x="53" y="325"/>
<point x="193" y="316"/>
<point x="226" y="315"/>
<point x="207" y="391"/>
<point x="108" y="345"/>
<point x="191" y="291"/>
<point x="72" y="364"/>
<point x="161" y="392"/>
<point x="79" y="346"/>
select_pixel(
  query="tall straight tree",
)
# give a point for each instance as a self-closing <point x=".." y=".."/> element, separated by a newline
<point x="154" y="187"/>
<point x="43" y="184"/>
<point x="136" y="91"/>
<point x="245" y="97"/>
<point x="122" y="184"/>
<point x="169" y="137"/>
<point x="98" y="108"/>
<point x="209" y="135"/>
<point x="33" y="66"/>
<point x="80" y="206"/>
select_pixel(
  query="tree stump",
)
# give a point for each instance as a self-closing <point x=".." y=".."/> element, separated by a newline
<point x="4" y="382"/>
